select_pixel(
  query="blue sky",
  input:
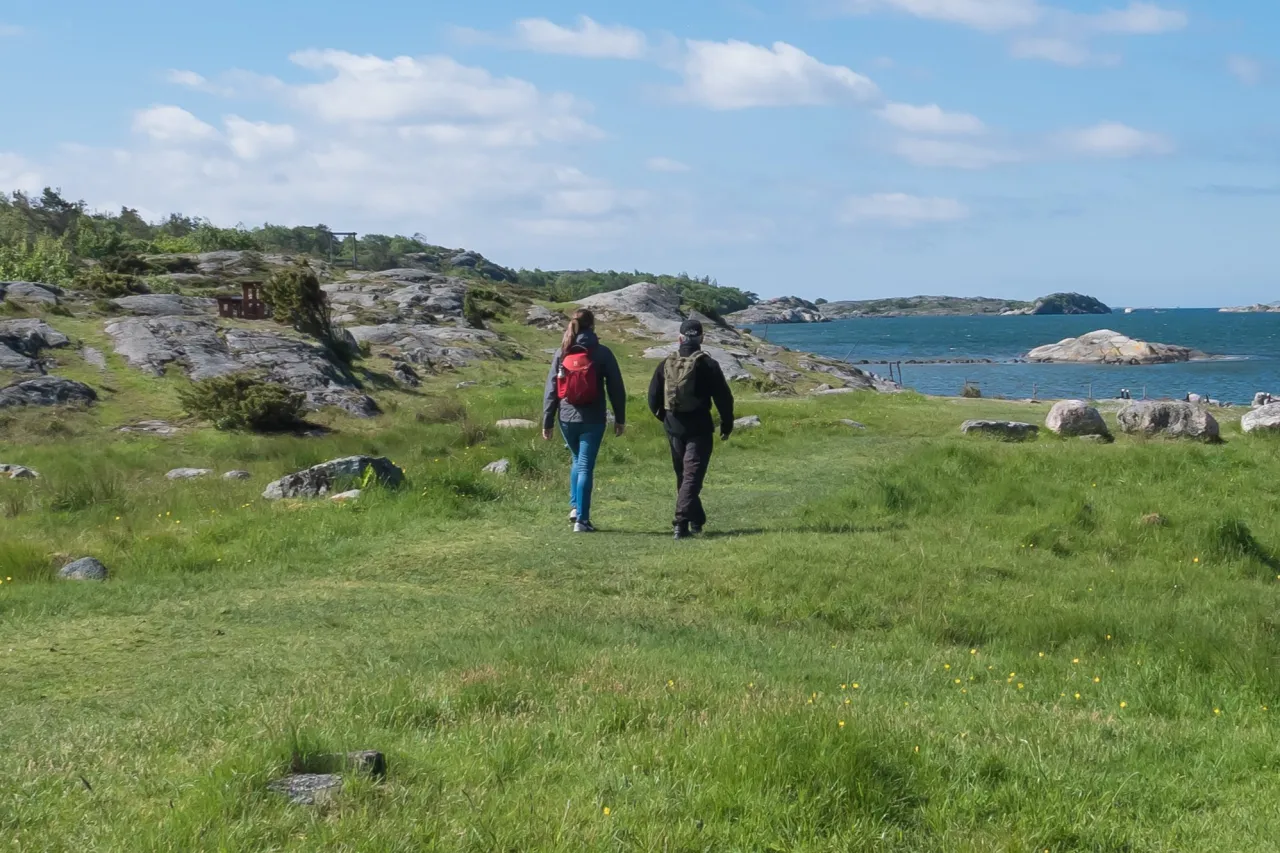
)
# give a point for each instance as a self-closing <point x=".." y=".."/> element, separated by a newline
<point x="835" y="148"/>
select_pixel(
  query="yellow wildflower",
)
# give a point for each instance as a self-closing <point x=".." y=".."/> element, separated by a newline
<point x="842" y="724"/>
<point x="606" y="811"/>
<point x="1124" y="704"/>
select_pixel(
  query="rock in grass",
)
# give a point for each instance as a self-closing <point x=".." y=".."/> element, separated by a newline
<point x="1098" y="439"/>
<point x="29" y="293"/>
<point x="321" y="479"/>
<point x="150" y="428"/>
<point x="187" y="473"/>
<point x="1154" y="519"/>
<point x="237" y="475"/>
<point x="1173" y="420"/>
<point x="516" y="423"/>
<point x="502" y="466"/>
<point x="852" y="424"/>
<point x="308" y="789"/>
<point x="406" y="375"/>
<point x="18" y="472"/>
<point x="84" y="569"/>
<point x="46" y="391"/>
<point x="462" y="385"/>
<point x="1263" y="419"/>
<point x="828" y="392"/>
<point x="1006" y="430"/>
<point x="1075" y="418"/>
<point x="94" y="358"/>
<point x="749" y="422"/>
<point x="345" y="497"/>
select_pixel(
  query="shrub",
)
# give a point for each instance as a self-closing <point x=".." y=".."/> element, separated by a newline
<point x="480" y="304"/>
<point x="44" y="260"/>
<point x="105" y="284"/>
<point x="295" y="297"/>
<point x="241" y="401"/>
<point x="971" y="391"/>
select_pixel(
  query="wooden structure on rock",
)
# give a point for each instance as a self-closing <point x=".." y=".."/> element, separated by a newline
<point x="247" y="306"/>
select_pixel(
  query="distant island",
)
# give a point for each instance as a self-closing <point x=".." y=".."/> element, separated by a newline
<point x="1107" y="347"/>
<point x="1268" y="308"/>
<point x="792" y="309"/>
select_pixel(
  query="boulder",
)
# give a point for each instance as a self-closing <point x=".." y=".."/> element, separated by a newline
<point x="406" y="375"/>
<point x="84" y="569"/>
<point x="1006" y="430"/>
<point x="308" y="789"/>
<point x="47" y="391"/>
<point x="516" y="423"/>
<point x="1075" y="418"/>
<point x="17" y="472"/>
<point x="1262" y="398"/>
<point x="502" y="466"/>
<point x="748" y="422"/>
<point x="544" y="318"/>
<point x="1264" y="419"/>
<point x="187" y="473"/>
<point x="433" y="347"/>
<point x="11" y="359"/>
<point x="165" y="305"/>
<point x="321" y="479"/>
<point x="1108" y="347"/>
<point x="1174" y="420"/>
<point x="237" y="475"/>
<point x="30" y="337"/>
<point x="29" y="293"/>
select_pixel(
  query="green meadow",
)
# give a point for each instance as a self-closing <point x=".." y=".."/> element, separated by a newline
<point x="894" y="638"/>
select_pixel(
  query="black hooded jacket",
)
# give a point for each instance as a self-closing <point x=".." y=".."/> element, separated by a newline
<point x="709" y="385"/>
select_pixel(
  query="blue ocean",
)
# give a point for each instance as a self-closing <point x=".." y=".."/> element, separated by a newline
<point x="1246" y="349"/>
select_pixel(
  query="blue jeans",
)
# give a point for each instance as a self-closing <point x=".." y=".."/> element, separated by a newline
<point x="583" y="441"/>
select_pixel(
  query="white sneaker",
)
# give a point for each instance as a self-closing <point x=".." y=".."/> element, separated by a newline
<point x="583" y="527"/>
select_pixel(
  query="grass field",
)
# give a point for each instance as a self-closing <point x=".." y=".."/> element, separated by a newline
<point x="894" y="639"/>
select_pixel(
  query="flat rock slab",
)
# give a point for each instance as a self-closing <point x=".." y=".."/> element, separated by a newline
<point x="321" y="479"/>
<point x="165" y="305"/>
<point x="17" y="472"/>
<point x="29" y="293"/>
<point x="749" y="422"/>
<point x="84" y="569"/>
<point x="1076" y="418"/>
<point x="187" y="473"/>
<point x="1172" y="420"/>
<point x="308" y="789"/>
<point x="654" y="306"/>
<point x="516" y="423"/>
<point x="502" y="466"/>
<point x="1006" y="430"/>
<point x="47" y="391"/>
<point x="150" y="428"/>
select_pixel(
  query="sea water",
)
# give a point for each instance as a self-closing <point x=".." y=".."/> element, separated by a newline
<point x="1245" y="350"/>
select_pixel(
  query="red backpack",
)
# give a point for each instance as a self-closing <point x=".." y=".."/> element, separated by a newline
<point x="578" y="381"/>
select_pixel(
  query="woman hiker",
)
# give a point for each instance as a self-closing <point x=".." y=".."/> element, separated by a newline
<point x="583" y="373"/>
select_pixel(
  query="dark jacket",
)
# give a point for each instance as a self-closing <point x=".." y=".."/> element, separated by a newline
<point x="610" y="382"/>
<point x="709" y="385"/>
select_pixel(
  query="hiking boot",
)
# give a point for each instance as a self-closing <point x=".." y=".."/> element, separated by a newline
<point x="681" y="531"/>
<point x="583" y="527"/>
<point x="573" y="516"/>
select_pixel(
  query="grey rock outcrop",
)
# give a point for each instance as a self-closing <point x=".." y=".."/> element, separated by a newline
<point x="165" y="305"/>
<point x="1006" y="430"/>
<point x="1173" y="420"/>
<point x="1075" y="418"/>
<point x="94" y="358"/>
<point x="30" y="337"/>
<point x="161" y="428"/>
<point x="654" y="306"/>
<point x="784" y="309"/>
<point x="237" y="475"/>
<point x="748" y="422"/>
<point x="1108" y="347"/>
<point x="187" y="473"/>
<point x="47" y="391"/>
<point x="151" y="344"/>
<point x="435" y="348"/>
<point x="1263" y="419"/>
<point x="17" y="472"/>
<point x="544" y="318"/>
<point x="308" y="789"/>
<point x="502" y="466"/>
<point x="29" y="293"/>
<point x="405" y="375"/>
<point x="321" y="479"/>
<point x="84" y="569"/>
<point x="403" y="296"/>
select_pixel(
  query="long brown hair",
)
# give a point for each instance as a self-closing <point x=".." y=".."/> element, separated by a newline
<point x="583" y="321"/>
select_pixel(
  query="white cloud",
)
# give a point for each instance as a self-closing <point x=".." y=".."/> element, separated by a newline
<point x="901" y="210"/>
<point x="171" y="124"/>
<point x="939" y="153"/>
<point x="253" y="139"/>
<point x="17" y="174"/>
<point x="588" y="39"/>
<point x="1112" y="139"/>
<point x="1245" y="69"/>
<point x="1139" y="19"/>
<point x="665" y="164"/>
<point x="1058" y="50"/>
<point x="736" y="75"/>
<point x="930" y="119"/>
<point x="992" y="15"/>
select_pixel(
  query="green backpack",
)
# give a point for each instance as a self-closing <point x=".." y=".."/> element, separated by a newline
<point x="678" y="375"/>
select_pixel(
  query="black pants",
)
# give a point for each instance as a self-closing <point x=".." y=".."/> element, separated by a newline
<point x="690" y="456"/>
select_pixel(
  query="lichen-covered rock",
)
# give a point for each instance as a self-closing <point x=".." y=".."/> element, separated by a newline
<point x="1075" y="418"/>
<point x="84" y="569"/>
<point x="1005" y="430"/>
<point x="47" y="391"/>
<point x="1173" y="420"/>
<point x="321" y="479"/>
<point x="151" y="344"/>
<point x="654" y="306"/>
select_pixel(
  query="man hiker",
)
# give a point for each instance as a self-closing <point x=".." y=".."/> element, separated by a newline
<point x="680" y="395"/>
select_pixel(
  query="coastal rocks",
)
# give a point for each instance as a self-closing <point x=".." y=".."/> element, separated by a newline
<point x="501" y="467"/>
<point x="320" y="479"/>
<point x="749" y="422"/>
<point x="84" y="569"/>
<point x="17" y="472"/>
<point x="165" y="305"/>
<point x="1260" y="308"/>
<point x="657" y="308"/>
<point x="1004" y="430"/>
<point x="784" y="309"/>
<point x="1263" y="419"/>
<point x="1064" y="303"/>
<point x="1173" y="420"/>
<point x="516" y="423"/>
<point x="1108" y="347"/>
<point x="47" y="391"/>
<point x="851" y="376"/>
<point x="187" y="473"/>
<point x="29" y="293"/>
<point x="1075" y="419"/>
